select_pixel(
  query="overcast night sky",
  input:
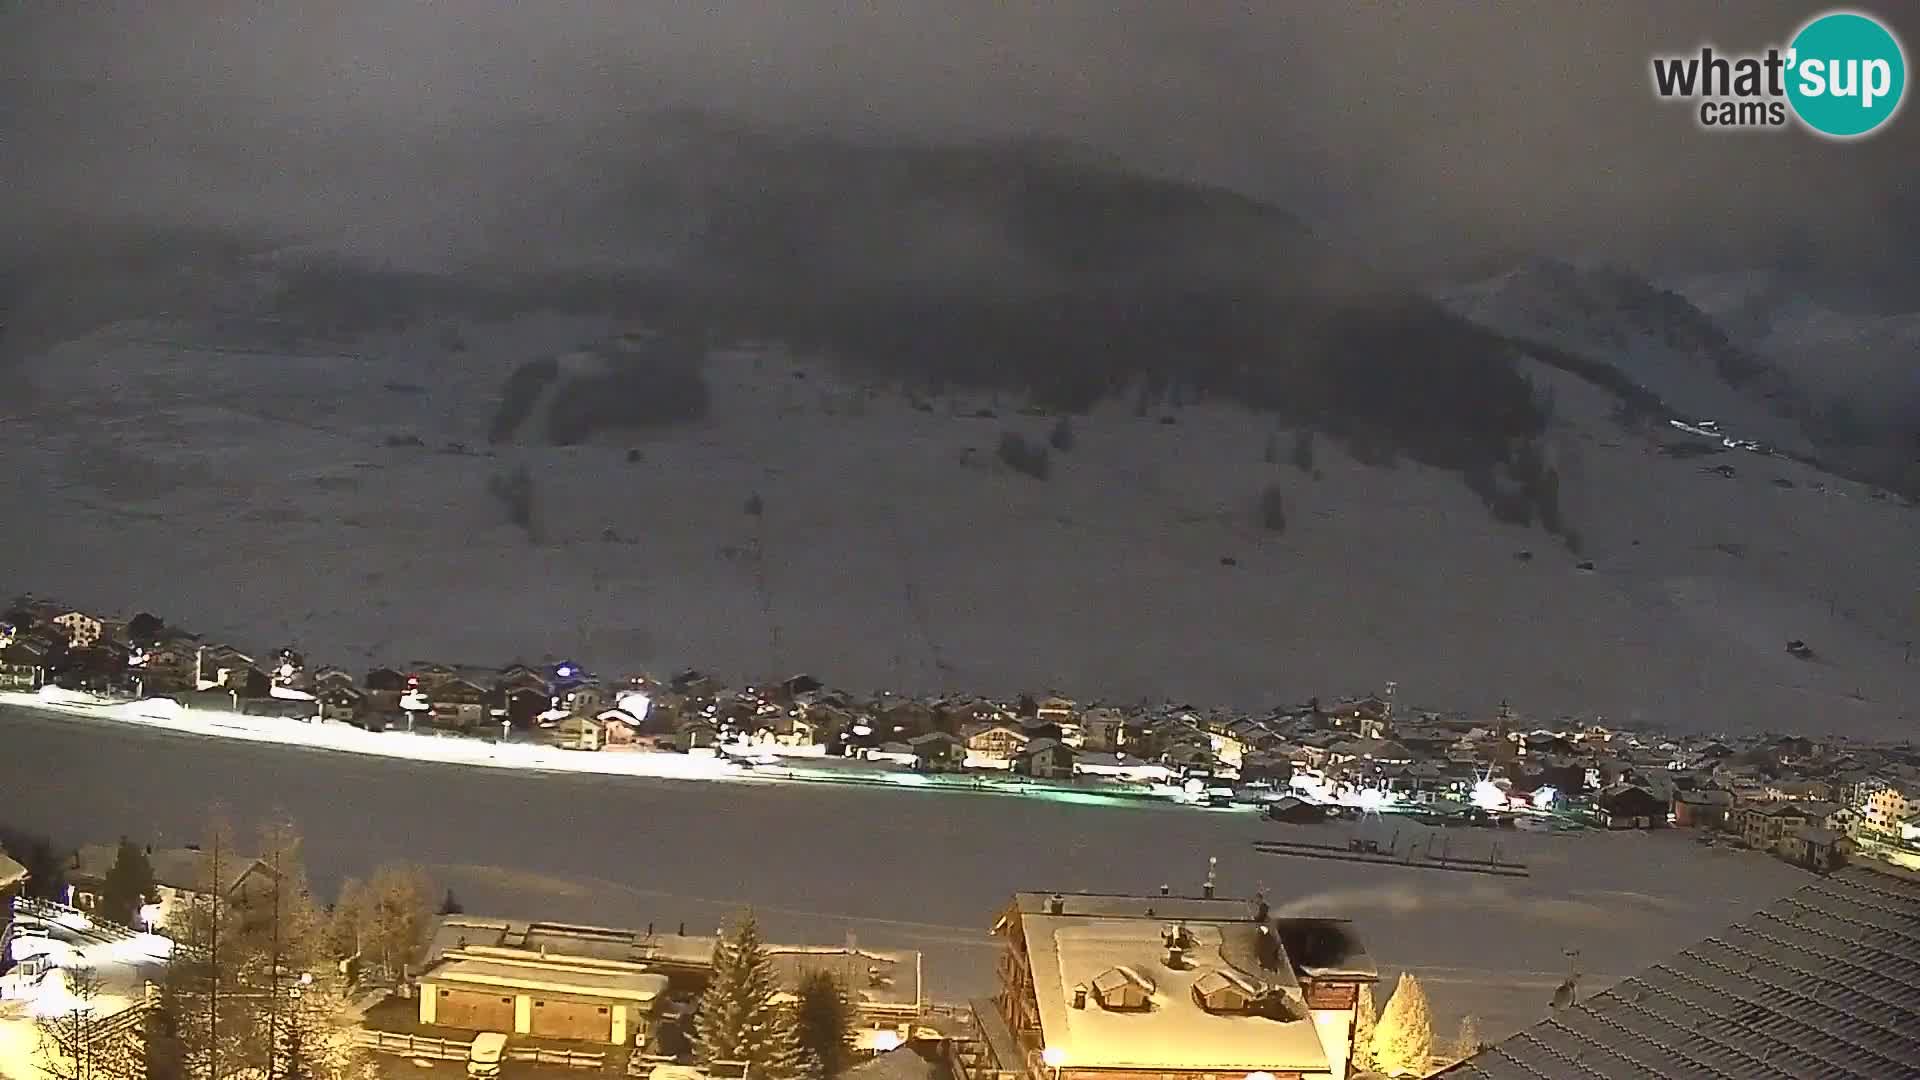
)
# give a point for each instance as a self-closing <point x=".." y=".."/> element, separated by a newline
<point x="1424" y="132"/>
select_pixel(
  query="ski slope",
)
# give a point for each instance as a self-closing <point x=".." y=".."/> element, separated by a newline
<point x="250" y="495"/>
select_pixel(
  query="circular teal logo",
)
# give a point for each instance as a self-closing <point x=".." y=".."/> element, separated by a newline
<point x="1847" y="74"/>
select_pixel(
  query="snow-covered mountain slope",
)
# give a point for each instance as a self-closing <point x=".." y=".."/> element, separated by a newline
<point x="1655" y="337"/>
<point x="1866" y="359"/>
<point x="254" y="496"/>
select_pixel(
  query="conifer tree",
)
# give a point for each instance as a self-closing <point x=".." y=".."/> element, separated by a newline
<point x="1364" y="1021"/>
<point x="738" y="1017"/>
<point x="1468" y="1043"/>
<point x="1403" y="1042"/>
<point x="129" y="885"/>
<point x="824" y="1020"/>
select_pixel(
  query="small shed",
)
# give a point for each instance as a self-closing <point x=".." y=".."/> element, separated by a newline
<point x="1122" y="988"/>
<point x="1222" y="991"/>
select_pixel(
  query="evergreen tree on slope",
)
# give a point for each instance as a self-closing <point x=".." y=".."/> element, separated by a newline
<point x="1403" y="1043"/>
<point x="739" y="1020"/>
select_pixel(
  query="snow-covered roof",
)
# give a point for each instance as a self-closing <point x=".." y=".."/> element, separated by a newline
<point x="186" y="869"/>
<point x="1173" y="1032"/>
<point x="873" y="977"/>
<point x="1114" y="905"/>
<point x="587" y="978"/>
<point x="1825" y="982"/>
<point x="902" y="1063"/>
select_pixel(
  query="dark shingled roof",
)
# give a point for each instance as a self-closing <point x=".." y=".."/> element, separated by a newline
<point x="1824" y="983"/>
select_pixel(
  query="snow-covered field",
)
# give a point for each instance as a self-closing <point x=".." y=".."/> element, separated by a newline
<point x="251" y="496"/>
<point x="168" y="715"/>
<point x="927" y="871"/>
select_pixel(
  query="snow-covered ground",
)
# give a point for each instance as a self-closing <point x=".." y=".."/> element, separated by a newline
<point x="738" y="762"/>
<point x="168" y="715"/>
<point x="926" y="872"/>
<point x="1653" y="336"/>
<point x="46" y="952"/>
<point x="251" y="496"/>
<point x="1864" y="359"/>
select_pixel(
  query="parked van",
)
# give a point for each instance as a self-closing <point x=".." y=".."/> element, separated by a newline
<point x="483" y="1060"/>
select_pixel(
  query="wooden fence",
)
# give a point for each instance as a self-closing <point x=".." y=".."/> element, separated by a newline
<point x="432" y="1049"/>
<point x="644" y="1064"/>
<point x="120" y="1025"/>
<point x="46" y="911"/>
<point x="412" y="1046"/>
<point x="572" y="1059"/>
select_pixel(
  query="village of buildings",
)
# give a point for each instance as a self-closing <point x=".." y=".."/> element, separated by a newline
<point x="1180" y="985"/>
<point x="1815" y="801"/>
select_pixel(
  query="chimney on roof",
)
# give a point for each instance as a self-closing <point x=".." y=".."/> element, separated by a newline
<point x="1176" y="940"/>
<point x="1079" y="997"/>
<point x="1056" y="904"/>
<point x="853" y="944"/>
<point x="1165" y="889"/>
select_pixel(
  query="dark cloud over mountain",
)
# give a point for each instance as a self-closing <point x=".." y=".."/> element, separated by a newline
<point x="1430" y="134"/>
